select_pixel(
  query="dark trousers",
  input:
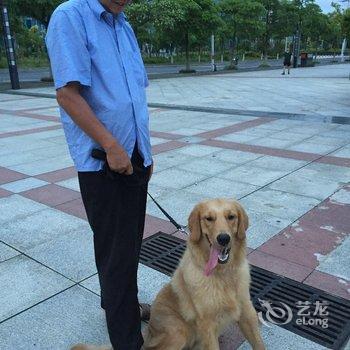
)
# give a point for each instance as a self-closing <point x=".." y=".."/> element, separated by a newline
<point x="116" y="211"/>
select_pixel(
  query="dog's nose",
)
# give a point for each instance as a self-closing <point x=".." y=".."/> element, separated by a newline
<point x="223" y="239"/>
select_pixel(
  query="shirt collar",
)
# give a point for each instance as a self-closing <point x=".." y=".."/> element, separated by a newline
<point x="96" y="7"/>
<point x="100" y="11"/>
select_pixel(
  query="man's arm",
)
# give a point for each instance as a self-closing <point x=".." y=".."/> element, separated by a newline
<point x="70" y="99"/>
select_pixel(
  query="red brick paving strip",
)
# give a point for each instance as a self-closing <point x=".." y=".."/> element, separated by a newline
<point x="235" y="128"/>
<point x="331" y="284"/>
<point x="51" y="195"/>
<point x="279" y="265"/>
<point x="168" y="146"/>
<point x="295" y="250"/>
<point x="319" y="231"/>
<point x="74" y="207"/>
<point x="166" y="135"/>
<point x="14" y="99"/>
<point x="154" y="225"/>
<point x="61" y="198"/>
<point x="268" y="151"/>
<point x="7" y="175"/>
<point x="4" y="193"/>
<point x="39" y="108"/>
<point x="262" y="150"/>
<point x="49" y="118"/>
<point x="58" y="175"/>
<point x="335" y="161"/>
<point x="30" y="131"/>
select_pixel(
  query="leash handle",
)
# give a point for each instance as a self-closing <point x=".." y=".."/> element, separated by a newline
<point x="101" y="155"/>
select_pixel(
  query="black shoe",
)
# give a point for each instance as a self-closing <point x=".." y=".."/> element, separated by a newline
<point x="145" y="311"/>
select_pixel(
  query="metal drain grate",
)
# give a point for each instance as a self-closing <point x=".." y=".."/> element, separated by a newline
<point x="163" y="252"/>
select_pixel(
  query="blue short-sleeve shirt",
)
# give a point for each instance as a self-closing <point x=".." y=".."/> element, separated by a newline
<point x="89" y="45"/>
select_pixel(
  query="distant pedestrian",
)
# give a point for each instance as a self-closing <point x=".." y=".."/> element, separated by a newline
<point x="287" y="62"/>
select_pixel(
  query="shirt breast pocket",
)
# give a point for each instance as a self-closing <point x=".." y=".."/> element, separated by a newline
<point x="137" y="67"/>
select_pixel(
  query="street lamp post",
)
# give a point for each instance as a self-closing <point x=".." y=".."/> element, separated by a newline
<point x="213" y="65"/>
<point x="296" y="49"/>
<point x="297" y="37"/>
<point x="9" y="47"/>
<point x="343" y="48"/>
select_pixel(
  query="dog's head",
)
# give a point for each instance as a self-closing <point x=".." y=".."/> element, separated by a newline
<point x="218" y="225"/>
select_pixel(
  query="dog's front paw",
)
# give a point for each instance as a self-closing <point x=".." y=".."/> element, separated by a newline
<point x="90" y="347"/>
<point x="79" y="347"/>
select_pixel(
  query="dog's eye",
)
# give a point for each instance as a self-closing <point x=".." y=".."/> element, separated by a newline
<point x="209" y="218"/>
<point x="231" y="217"/>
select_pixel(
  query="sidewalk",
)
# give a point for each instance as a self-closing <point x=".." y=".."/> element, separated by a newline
<point x="291" y="175"/>
<point x="318" y="92"/>
<point x="155" y="71"/>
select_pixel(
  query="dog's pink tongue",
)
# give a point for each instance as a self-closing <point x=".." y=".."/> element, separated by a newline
<point x="213" y="261"/>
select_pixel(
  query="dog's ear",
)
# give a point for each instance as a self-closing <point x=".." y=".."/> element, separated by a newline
<point x="194" y="224"/>
<point x="243" y="221"/>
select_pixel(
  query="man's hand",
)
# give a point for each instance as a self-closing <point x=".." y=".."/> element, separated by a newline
<point x="118" y="160"/>
<point x="70" y="99"/>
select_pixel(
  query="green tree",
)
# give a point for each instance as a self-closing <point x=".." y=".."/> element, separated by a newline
<point x="332" y="37"/>
<point x="287" y="19"/>
<point x="270" y="23"/>
<point x="311" y="23"/>
<point x="184" y="21"/>
<point x="304" y="18"/>
<point x="314" y="25"/>
<point x="166" y="24"/>
<point x="243" y="20"/>
<point x="345" y="25"/>
<point x="140" y="16"/>
<point x="41" y="10"/>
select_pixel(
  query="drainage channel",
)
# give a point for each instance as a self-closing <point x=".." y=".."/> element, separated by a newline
<point x="301" y="309"/>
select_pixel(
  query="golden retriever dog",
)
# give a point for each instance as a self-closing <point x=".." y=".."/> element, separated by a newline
<point x="210" y="288"/>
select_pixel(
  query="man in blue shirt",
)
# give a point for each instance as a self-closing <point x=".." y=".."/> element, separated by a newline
<point x="100" y="81"/>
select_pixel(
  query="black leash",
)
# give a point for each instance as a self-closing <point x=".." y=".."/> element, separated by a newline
<point x="101" y="155"/>
<point x="170" y="218"/>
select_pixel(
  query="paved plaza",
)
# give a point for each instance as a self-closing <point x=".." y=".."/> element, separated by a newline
<point x="315" y="92"/>
<point x="278" y="151"/>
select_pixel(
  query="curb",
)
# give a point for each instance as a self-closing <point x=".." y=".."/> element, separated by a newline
<point x="217" y="110"/>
